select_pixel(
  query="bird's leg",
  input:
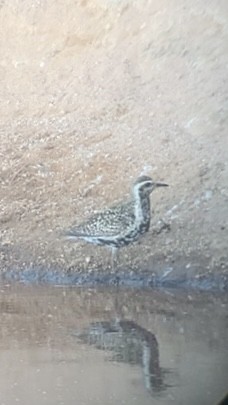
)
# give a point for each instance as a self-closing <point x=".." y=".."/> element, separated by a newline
<point x="114" y="257"/>
<point x="114" y="262"/>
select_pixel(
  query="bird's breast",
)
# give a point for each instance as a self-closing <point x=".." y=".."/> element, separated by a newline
<point x="142" y="214"/>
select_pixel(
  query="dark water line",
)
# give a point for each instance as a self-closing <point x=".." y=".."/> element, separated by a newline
<point x="40" y="275"/>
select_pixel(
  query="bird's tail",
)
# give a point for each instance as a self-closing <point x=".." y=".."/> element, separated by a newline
<point x="70" y="235"/>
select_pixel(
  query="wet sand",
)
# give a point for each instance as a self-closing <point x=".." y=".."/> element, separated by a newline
<point x="63" y="345"/>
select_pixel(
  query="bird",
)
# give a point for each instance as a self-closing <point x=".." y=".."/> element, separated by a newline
<point x="121" y="224"/>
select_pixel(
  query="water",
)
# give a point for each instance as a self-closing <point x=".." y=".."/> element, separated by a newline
<point x="126" y="346"/>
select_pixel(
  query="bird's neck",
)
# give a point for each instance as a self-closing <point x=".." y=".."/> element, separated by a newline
<point x="142" y="207"/>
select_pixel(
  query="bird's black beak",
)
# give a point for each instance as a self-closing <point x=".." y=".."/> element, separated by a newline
<point x="161" y="185"/>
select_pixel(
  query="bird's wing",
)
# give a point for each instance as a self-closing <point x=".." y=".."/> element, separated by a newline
<point x="107" y="223"/>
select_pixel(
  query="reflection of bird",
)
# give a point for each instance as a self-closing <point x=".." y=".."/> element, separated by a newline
<point x="131" y="344"/>
<point x="121" y="224"/>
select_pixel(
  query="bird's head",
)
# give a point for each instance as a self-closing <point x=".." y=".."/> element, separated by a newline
<point x="145" y="185"/>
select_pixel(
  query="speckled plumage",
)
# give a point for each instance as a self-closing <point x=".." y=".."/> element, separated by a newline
<point x="121" y="224"/>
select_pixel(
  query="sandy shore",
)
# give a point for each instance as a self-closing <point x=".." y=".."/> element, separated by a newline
<point x="95" y="93"/>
